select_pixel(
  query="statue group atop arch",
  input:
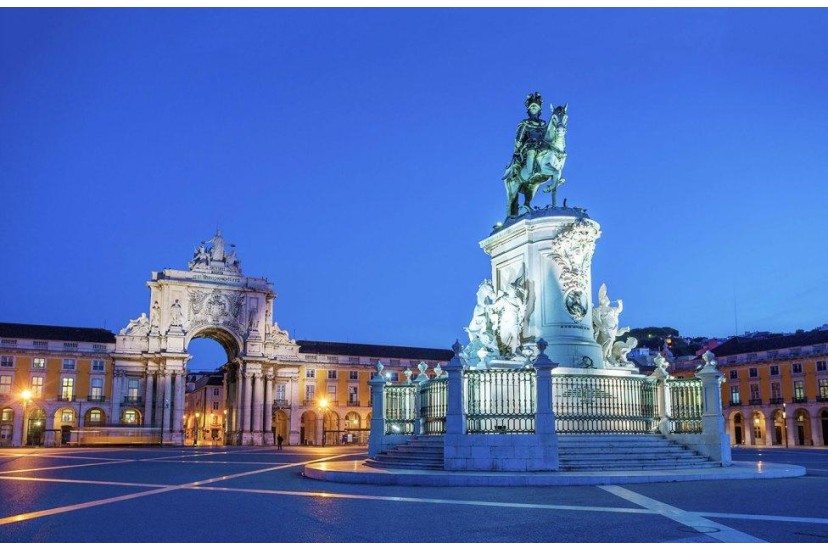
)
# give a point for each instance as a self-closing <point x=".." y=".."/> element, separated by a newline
<point x="538" y="157"/>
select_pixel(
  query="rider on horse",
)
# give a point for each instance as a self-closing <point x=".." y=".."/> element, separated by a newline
<point x="529" y="142"/>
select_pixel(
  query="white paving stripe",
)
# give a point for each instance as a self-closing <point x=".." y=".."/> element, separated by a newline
<point x="83" y="505"/>
<point x="690" y="519"/>
<point x="24" y="470"/>
<point x="765" y="517"/>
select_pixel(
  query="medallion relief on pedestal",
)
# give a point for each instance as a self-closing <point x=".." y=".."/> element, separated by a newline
<point x="572" y="250"/>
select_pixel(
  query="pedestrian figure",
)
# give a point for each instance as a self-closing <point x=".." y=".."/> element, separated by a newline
<point x="279" y="442"/>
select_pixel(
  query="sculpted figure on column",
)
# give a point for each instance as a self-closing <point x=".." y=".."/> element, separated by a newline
<point x="539" y="156"/>
<point x="605" y="324"/>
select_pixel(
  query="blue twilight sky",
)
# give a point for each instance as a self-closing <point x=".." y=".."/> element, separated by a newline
<point x="354" y="157"/>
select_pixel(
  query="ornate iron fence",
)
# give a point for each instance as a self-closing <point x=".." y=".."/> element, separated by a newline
<point x="603" y="404"/>
<point x="500" y="401"/>
<point x="685" y="406"/>
<point x="433" y="406"/>
<point x="400" y="409"/>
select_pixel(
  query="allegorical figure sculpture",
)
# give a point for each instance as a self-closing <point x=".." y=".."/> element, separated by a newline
<point x="497" y="322"/>
<point x="484" y="319"/>
<point x="605" y="324"/>
<point x="538" y="157"/>
<point x="139" y="326"/>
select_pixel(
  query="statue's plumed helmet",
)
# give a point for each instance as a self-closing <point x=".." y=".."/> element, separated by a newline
<point x="534" y="98"/>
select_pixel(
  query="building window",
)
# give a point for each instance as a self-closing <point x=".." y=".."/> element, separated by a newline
<point x="280" y="391"/>
<point x="332" y="392"/>
<point x="39" y="363"/>
<point x="797" y="368"/>
<point x="393" y="376"/>
<point x="5" y="385"/>
<point x="353" y="375"/>
<point x="799" y="391"/>
<point x="776" y="390"/>
<point x="774" y="370"/>
<point x="132" y="389"/>
<point x="7" y="415"/>
<point x="331" y="374"/>
<point x="754" y="392"/>
<point x="310" y="373"/>
<point x="67" y="415"/>
<point x="734" y="395"/>
<point x="353" y="395"/>
<point x="214" y="419"/>
<point x="734" y="374"/>
<point x="68" y="363"/>
<point x="823" y="389"/>
<point x="94" y="416"/>
<point x="216" y="391"/>
<point x="310" y="392"/>
<point x="96" y="389"/>
<point x="215" y="405"/>
<point x="130" y="417"/>
<point x="6" y="362"/>
<point x="67" y="389"/>
<point x="98" y="365"/>
<point x="37" y="386"/>
<point x="754" y="372"/>
<point x="820" y="366"/>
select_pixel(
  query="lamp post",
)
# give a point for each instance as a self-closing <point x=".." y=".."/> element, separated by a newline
<point x="224" y="437"/>
<point x="785" y="423"/>
<point x="323" y="407"/>
<point x="26" y="396"/>
<point x="195" y="429"/>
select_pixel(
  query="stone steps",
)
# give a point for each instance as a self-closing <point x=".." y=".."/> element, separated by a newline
<point x="577" y="453"/>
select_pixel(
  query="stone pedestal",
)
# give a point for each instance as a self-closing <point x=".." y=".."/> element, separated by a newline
<point x="551" y="250"/>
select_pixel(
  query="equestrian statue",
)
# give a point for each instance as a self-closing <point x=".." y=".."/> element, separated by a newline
<point x="539" y="156"/>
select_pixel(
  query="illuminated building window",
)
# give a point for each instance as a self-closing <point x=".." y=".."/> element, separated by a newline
<point x="94" y="416"/>
<point x="7" y="415"/>
<point x="39" y="363"/>
<point x="96" y="389"/>
<point x="37" y="386"/>
<point x="754" y="392"/>
<point x="132" y="389"/>
<point x="5" y="385"/>
<point x="823" y="389"/>
<point x="130" y="417"/>
<point x="799" y="390"/>
<point x="67" y="389"/>
<point x="310" y="392"/>
<point x="332" y="392"/>
<point x="280" y="391"/>
<point x="67" y="415"/>
<point x="734" y="395"/>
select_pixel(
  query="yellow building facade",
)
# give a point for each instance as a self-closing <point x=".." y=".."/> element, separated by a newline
<point x="775" y="391"/>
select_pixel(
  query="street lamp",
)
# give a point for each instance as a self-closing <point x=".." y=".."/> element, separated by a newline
<point x="195" y="429"/>
<point x="225" y="427"/>
<point x="785" y="423"/>
<point x="26" y="396"/>
<point x="323" y="407"/>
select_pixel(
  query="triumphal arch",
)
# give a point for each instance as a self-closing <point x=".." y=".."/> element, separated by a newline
<point x="212" y="299"/>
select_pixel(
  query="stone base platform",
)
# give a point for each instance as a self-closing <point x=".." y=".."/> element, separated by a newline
<point x="356" y="472"/>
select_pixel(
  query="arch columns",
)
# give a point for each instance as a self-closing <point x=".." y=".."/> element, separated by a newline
<point x="267" y="435"/>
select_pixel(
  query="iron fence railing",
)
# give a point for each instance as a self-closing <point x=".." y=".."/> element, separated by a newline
<point x="500" y="401"/>
<point x="433" y="406"/>
<point x="400" y="409"/>
<point x="603" y="404"/>
<point x="686" y="408"/>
